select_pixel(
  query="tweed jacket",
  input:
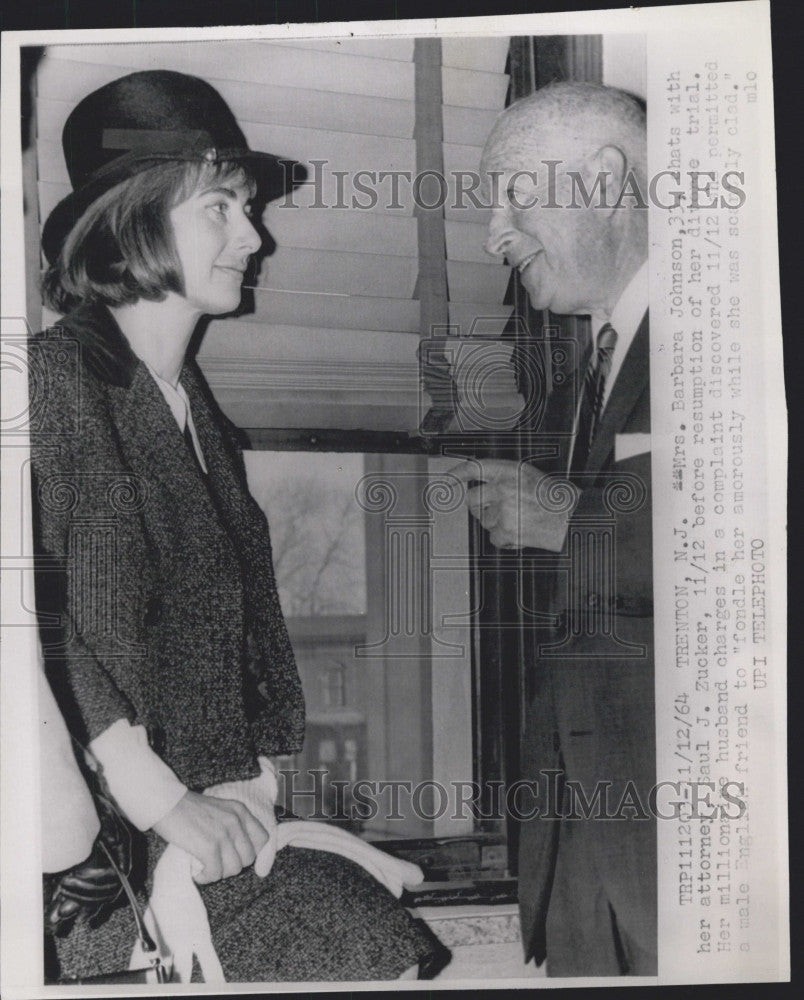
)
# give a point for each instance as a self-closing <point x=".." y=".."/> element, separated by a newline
<point x="155" y="588"/>
<point x="591" y="714"/>
<point x="159" y="605"/>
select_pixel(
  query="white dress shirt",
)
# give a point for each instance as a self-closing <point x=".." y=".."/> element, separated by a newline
<point x="625" y="318"/>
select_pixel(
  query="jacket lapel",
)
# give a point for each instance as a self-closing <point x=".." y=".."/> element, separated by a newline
<point x="633" y="379"/>
<point x="148" y="435"/>
<point x="154" y="447"/>
<point x="239" y="513"/>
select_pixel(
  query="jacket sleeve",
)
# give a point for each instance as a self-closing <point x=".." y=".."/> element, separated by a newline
<point x="86" y="556"/>
<point x="618" y="506"/>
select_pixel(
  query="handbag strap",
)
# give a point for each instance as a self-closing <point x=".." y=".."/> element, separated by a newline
<point x="149" y="947"/>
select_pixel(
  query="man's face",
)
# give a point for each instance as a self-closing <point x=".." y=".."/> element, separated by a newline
<point x="565" y="256"/>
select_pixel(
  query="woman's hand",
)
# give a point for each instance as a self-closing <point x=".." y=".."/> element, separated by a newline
<point x="221" y="833"/>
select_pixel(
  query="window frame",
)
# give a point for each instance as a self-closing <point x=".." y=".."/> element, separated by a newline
<point x="479" y="864"/>
<point x="501" y="657"/>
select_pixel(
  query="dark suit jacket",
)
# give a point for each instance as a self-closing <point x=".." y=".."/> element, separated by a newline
<point x="592" y="713"/>
<point x="156" y="583"/>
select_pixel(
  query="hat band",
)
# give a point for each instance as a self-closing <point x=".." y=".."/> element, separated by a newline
<point x="153" y="140"/>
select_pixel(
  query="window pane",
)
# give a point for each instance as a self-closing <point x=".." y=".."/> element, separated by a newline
<point x="317" y="529"/>
<point x="368" y="573"/>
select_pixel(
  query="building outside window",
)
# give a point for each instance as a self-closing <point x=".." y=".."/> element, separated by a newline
<point x="369" y="569"/>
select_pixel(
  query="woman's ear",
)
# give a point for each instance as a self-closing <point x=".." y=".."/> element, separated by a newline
<point x="604" y="174"/>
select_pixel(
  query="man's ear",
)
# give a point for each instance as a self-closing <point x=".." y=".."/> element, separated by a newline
<point x="610" y="165"/>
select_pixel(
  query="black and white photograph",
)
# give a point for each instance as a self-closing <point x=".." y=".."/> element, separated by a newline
<point x="385" y="598"/>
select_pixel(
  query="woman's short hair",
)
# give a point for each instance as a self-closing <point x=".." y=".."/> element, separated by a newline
<point x="122" y="247"/>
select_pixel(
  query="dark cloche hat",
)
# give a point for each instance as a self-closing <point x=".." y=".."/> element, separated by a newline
<point x="132" y="123"/>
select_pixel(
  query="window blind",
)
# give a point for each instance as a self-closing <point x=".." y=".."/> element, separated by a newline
<point x="335" y="310"/>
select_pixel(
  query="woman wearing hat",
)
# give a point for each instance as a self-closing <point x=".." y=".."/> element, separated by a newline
<point x="170" y="658"/>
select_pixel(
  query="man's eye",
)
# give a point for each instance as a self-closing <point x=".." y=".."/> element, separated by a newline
<point x="221" y="207"/>
<point x="518" y="199"/>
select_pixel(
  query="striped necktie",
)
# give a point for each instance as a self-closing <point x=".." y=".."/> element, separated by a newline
<point x="594" y="387"/>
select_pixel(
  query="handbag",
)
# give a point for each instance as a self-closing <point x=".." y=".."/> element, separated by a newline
<point x="158" y="970"/>
<point x="97" y="882"/>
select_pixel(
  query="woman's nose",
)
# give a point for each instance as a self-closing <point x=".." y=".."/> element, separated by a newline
<point x="249" y="239"/>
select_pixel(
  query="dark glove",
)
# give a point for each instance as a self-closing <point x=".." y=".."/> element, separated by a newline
<point x="93" y="885"/>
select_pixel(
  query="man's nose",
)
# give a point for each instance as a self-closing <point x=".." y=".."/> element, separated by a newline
<point x="501" y="233"/>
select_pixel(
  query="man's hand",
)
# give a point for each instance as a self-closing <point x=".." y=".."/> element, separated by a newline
<point x="221" y="833"/>
<point x="510" y="504"/>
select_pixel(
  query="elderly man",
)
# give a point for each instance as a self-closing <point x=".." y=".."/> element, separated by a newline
<point x="569" y="165"/>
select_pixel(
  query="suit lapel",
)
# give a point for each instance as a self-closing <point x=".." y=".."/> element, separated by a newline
<point x="180" y="513"/>
<point x="231" y="499"/>
<point x="631" y="382"/>
<point x="219" y="465"/>
<point x="154" y="447"/>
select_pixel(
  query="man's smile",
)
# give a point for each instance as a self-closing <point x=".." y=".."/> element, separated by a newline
<point x="527" y="261"/>
<point x="232" y="268"/>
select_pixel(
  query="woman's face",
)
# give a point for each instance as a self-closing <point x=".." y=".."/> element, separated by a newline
<point x="214" y="239"/>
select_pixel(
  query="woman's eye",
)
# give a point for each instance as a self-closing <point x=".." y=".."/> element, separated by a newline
<point x="221" y="207"/>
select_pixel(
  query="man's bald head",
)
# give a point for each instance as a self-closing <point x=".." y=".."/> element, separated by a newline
<point x="567" y="166"/>
<point x="567" y="121"/>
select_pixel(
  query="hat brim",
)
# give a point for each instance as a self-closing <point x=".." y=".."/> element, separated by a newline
<point x="275" y="176"/>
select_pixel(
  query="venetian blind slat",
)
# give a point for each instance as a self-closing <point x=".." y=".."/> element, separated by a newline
<point x="342" y="151"/>
<point x="478" y="53"/>
<point x="63" y="83"/>
<point x="373" y="275"/>
<point x="375" y="48"/>
<point x="255" y="61"/>
<point x="336" y="311"/>
<point x="466" y="88"/>
<point x="249" y="342"/>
